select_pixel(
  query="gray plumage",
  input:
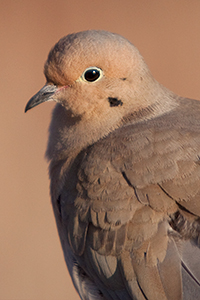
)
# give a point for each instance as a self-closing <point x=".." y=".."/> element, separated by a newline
<point x="124" y="158"/>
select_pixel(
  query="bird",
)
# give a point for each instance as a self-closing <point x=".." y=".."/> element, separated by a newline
<point x="124" y="168"/>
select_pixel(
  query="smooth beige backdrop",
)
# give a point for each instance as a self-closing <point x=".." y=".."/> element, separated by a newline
<point x="167" y="33"/>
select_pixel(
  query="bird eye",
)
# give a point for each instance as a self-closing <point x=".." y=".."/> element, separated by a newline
<point x="92" y="74"/>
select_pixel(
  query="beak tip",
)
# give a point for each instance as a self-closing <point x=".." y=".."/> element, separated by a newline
<point x="28" y="106"/>
<point x="45" y="94"/>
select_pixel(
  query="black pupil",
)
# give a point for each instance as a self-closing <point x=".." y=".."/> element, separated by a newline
<point x="92" y="75"/>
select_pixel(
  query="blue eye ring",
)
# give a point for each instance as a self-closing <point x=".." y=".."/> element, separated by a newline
<point x="92" y="74"/>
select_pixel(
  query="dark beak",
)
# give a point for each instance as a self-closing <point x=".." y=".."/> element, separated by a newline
<point x="45" y="94"/>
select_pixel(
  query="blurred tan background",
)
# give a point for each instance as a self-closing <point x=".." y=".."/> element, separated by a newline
<point x="167" y="33"/>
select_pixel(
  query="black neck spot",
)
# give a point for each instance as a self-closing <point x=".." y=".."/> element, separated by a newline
<point x="114" y="102"/>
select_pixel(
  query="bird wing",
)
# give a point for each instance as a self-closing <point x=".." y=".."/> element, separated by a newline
<point x="132" y="211"/>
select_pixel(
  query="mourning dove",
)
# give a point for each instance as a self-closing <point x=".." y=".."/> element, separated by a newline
<point x="124" y="158"/>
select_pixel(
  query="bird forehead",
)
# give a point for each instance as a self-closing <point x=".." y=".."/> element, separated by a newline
<point x="74" y="53"/>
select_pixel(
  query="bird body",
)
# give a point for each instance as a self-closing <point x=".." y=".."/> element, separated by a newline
<point x="124" y="158"/>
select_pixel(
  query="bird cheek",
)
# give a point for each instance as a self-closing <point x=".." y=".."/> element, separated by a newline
<point x="63" y="95"/>
<point x="72" y="101"/>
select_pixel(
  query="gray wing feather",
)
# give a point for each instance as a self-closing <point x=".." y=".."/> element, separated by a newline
<point x="122" y="219"/>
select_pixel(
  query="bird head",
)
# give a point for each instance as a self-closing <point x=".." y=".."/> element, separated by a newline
<point x="95" y="72"/>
